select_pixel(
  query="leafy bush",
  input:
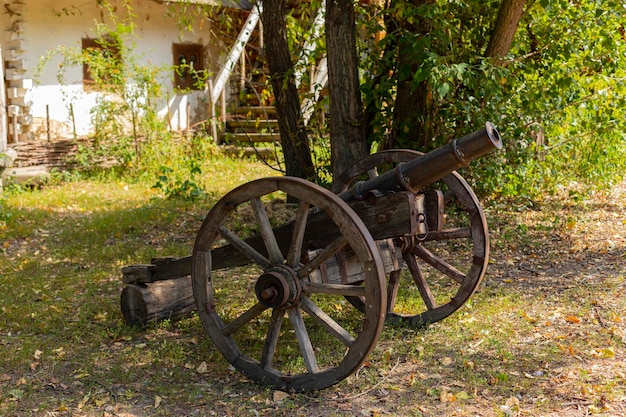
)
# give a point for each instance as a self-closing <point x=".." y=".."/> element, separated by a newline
<point x="558" y="101"/>
<point x="180" y="183"/>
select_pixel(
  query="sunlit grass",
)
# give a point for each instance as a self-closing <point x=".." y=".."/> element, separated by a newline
<point x="537" y="333"/>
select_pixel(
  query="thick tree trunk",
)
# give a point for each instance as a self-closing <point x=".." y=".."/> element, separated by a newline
<point x="509" y="16"/>
<point x="293" y="136"/>
<point x="347" y="134"/>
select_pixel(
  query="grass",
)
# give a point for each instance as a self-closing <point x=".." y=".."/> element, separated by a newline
<point x="544" y="335"/>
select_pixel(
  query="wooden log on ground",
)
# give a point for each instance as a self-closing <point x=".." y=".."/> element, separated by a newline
<point x="146" y="303"/>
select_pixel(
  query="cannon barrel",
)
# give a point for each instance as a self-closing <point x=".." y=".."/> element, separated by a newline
<point x="432" y="166"/>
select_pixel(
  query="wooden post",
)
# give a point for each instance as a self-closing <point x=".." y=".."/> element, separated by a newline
<point x="223" y="111"/>
<point x="73" y="120"/>
<point x="151" y="295"/>
<point x="3" y="108"/>
<point x="233" y="56"/>
<point x="242" y="72"/>
<point x="187" y="118"/>
<point x="212" y="120"/>
<point x="48" y="122"/>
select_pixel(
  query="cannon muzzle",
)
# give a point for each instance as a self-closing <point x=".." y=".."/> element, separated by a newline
<point x="428" y="168"/>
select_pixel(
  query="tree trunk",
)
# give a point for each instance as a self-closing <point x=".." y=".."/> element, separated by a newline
<point x="412" y="114"/>
<point x="293" y="136"/>
<point x="509" y="16"/>
<point x="347" y="134"/>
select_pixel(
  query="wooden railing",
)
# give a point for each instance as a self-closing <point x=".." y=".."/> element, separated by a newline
<point x="216" y="88"/>
<point x="319" y="76"/>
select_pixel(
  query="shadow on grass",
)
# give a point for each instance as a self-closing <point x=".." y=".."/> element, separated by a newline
<point x="543" y="335"/>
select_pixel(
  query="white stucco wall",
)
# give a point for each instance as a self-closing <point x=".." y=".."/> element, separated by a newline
<point x="53" y="23"/>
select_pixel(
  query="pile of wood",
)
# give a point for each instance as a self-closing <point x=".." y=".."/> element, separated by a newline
<point x="54" y="154"/>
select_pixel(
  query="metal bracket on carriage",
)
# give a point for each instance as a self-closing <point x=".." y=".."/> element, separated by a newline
<point x="401" y="213"/>
<point x="429" y="207"/>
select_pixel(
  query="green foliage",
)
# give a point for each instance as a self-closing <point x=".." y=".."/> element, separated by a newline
<point x="5" y="211"/>
<point x="128" y="133"/>
<point x="180" y="184"/>
<point x="558" y="100"/>
<point x="125" y="115"/>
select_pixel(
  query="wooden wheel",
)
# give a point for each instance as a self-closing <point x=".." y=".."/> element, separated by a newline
<point x="446" y="265"/>
<point x="270" y="302"/>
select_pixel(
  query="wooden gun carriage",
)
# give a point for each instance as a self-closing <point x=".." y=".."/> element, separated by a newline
<point x="297" y="301"/>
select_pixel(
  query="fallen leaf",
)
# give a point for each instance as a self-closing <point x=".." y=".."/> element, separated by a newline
<point x="529" y="318"/>
<point x="446" y="361"/>
<point x="512" y="402"/>
<point x="202" y="368"/>
<point x="83" y="401"/>
<point x="606" y="353"/>
<point x="411" y="378"/>
<point x="572" y="319"/>
<point x="101" y="401"/>
<point x="462" y="395"/>
<point x="157" y="401"/>
<point x="278" y="396"/>
<point x="447" y="397"/>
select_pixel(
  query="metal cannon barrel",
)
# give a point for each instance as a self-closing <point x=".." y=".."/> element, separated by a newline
<point x="432" y="166"/>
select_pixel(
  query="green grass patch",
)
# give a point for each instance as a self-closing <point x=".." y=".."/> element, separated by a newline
<point x="545" y="329"/>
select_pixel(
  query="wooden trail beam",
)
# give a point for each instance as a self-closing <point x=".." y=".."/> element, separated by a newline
<point x="387" y="216"/>
<point x="145" y="302"/>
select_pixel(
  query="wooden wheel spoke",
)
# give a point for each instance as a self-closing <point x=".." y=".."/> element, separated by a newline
<point x="457" y="217"/>
<point x="295" y="316"/>
<point x="244" y="319"/>
<point x="420" y="281"/>
<point x="273" y="333"/>
<point x="450" y="234"/>
<point x="325" y="320"/>
<point x="295" y="248"/>
<point x="438" y="263"/>
<point x="337" y="289"/>
<point x="275" y="255"/>
<point x="334" y="247"/>
<point x="245" y="248"/>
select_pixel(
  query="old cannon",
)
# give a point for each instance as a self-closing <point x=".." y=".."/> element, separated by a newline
<point x="297" y="301"/>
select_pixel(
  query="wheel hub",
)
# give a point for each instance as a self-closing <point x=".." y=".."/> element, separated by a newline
<point x="278" y="287"/>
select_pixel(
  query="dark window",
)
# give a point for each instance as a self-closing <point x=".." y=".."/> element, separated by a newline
<point x="106" y="53"/>
<point x="189" y="71"/>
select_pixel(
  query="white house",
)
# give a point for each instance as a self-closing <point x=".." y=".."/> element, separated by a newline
<point x="41" y="106"/>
